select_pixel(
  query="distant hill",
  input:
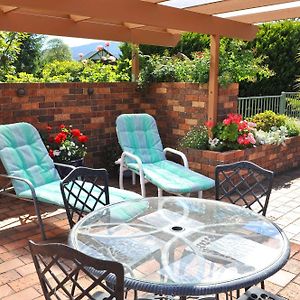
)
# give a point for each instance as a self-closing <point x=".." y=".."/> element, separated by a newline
<point x="113" y="49"/>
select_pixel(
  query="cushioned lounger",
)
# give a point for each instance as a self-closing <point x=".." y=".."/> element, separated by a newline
<point x="25" y="158"/>
<point x="144" y="154"/>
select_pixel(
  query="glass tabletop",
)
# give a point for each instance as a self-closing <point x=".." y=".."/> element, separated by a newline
<point x="183" y="246"/>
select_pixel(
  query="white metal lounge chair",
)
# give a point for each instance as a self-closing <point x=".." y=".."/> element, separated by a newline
<point x="144" y="155"/>
<point x="33" y="173"/>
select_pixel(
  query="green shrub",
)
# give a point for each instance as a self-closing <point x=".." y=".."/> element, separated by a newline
<point x="293" y="126"/>
<point x="196" y="138"/>
<point x="22" y="77"/>
<point x="268" y="119"/>
<point x="62" y="71"/>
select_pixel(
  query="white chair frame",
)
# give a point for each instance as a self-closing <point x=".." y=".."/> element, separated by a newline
<point x="140" y="170"/>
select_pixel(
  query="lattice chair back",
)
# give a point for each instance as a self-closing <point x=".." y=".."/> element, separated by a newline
<point x="66" y="273"/>
<point x="244" y="183"/>
<point x="83" y="191"/>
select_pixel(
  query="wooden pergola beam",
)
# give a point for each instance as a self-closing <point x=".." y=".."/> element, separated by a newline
<point x="233" y="5"/>
<point x="213" y="85"/>
<point x="288" y="13"/>
<point x="140" y="12"/>
<point x="67" y="27"/>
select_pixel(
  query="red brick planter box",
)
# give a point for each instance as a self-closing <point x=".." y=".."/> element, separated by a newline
<point x="276" y="158"/>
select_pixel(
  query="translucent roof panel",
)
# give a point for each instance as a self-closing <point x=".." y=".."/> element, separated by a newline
<point x="267" y="8"/>
<point x="187" y="3"/>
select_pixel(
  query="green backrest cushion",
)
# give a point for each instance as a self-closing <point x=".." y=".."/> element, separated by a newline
<point x="138" y="134"/>
<point x="23" y="154"/>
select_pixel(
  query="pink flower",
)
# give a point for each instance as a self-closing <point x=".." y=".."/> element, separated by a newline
<point x="80" y="55"/>
<point x="227" y="121"/>
<point x="107" y="44"/>
<point x="240" y="140"/>
<point x="99" y="48"/>
<point x="251" y="138"/>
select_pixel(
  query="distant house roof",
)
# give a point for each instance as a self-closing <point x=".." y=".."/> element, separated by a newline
<point x="97" y="55"/>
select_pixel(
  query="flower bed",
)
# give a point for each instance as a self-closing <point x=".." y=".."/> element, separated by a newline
<point x="278" y="158"/>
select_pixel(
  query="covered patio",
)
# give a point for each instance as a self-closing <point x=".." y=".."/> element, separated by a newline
<point x="18" y="278"/>
<point x="139" y="22"/>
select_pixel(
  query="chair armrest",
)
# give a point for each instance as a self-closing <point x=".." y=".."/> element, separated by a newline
<point x="30" y="185"/>
<point x="179" y="153"/>
<point x="64" y="166"/>
<point x="60" y="167"/>
<point x="134" y="157"/>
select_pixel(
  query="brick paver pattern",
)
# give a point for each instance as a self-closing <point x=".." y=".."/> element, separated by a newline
<point x="18" y="279"/>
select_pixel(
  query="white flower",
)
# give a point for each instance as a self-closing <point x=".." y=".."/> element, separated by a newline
<point x="56" y="152"/>
<point x="69" y="153"/>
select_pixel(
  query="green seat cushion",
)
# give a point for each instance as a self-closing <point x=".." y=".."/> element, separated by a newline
<point x="138" y="134"/>
<point x="174" y="178"/>
<point x="51" y="193"/>
<point x="23" y="154"/>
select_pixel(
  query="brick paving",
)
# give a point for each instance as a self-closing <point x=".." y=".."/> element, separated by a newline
<point x="18" y="279"/>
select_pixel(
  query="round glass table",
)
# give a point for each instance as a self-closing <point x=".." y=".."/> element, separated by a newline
<point x="183" y="246"/>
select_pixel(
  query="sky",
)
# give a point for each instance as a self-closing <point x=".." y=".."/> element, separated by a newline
<point x="73" y="42"/>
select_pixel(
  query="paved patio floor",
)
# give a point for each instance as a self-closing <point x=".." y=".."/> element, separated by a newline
<point x="18" y="279"/>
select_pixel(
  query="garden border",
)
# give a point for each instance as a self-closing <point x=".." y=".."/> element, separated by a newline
<point x="281" y="157"/>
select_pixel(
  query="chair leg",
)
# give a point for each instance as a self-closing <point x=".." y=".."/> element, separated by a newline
<point x="200" y="194"/>
<point x="133" y="177"/>
<point x="39" y="218"/>
<point x="121" y="184"/>
<point x="159" y="192"/>
<point x="142" y="183"/>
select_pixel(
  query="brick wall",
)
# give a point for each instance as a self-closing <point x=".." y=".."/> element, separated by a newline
<point x="70" y="103"/>
<point x="275" y="158"/>
<point x="176" y="106"/>
<point x="179" y="106"/>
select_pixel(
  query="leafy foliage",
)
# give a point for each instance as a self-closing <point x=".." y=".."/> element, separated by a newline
<point x="10" y="47"/>
<point x="56" y="50"/>
<point x="236" y="65"/>
<point x="29" y="58"/>
<point x="74" y="71"/>
<point x="279" y="43"/>
<point x="268" y="119"/>
<point x="196" y="138"/>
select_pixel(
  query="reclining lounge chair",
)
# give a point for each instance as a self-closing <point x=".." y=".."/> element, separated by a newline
<point x="144" y="155"/>
<point x="33" y="173"/>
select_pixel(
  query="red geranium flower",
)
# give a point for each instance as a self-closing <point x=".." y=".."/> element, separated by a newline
<point x="62" y="126"/>
<point x="227" y="121"/>
<point x="49" y="128"/>
<point x="83" y="139"/>
<point x="51" y="153"/>
<point x="75" y="132"/>
<point x="61" y="137"/>
<point x="209" y="124"/>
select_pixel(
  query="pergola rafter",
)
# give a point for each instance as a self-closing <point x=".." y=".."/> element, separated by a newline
<point x="138" y="12"/>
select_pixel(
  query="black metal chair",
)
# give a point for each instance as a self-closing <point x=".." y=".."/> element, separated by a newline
<point x="83" y="191"/>
<point x="244" y="183"/>
<point x="65" y="273"/>
<point x="256" y="293"/>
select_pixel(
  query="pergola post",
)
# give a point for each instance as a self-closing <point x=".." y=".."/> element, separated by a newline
<point x="135" y="68"/>
<point x="213" y="85"/>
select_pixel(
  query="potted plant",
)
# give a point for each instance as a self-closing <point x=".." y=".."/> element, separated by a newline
<point x="66" y="145"/>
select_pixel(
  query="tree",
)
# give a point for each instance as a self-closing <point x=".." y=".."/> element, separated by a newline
<point x="56" y="50"/>
<point x="279" y="42"/>
<point x="29" y="58"/>
<point x="189" y="43"/>
<point x="10" y="47"/>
